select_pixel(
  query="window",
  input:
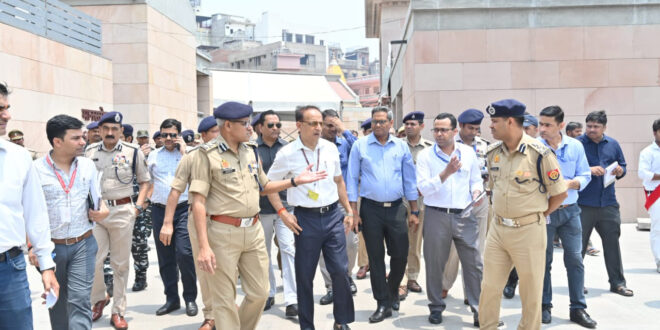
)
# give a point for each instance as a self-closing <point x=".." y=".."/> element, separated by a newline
<point x="299" y="38"/>
<point x="308" y="60"/>
<point x="304" y="60"/>
<point x="287" y="37"/>
<point x="309" y="40"/>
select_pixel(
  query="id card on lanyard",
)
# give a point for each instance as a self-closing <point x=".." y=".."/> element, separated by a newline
<point x="65" y="212"/>
<point x="446" y="160"/>
<point x="312" y="194"/>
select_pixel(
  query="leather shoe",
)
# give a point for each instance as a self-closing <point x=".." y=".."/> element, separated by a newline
<point x="167" y="308"/>
<point x="269" y="303"/>
<point x="353" y="286"/>
<point x="546" y="315"/>
<point x="291" y="311"/>
<point x="362" y="272"/>
<point x="191" y="308"/>
<point x="435" y="317"/>
<point x="327" y="299"/>
<point x="396" y="305"/>
<point x="581" y="317"/>
<point x="338" y="326"/>
<point x="403" y="293"/>
<point x="509" y="290"/>
<point x="139" y="286"/>
<point x="208" y="325"/>
<point x="380" y="314"/>
<point x="97" y="310"/>
<point x="414" y="286"/>
<point x="118" y="322"/>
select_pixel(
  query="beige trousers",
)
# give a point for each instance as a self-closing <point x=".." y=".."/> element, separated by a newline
<point x="202" y="276"/>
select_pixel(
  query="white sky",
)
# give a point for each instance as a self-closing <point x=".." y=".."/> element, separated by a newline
<point x="310" y="17"/>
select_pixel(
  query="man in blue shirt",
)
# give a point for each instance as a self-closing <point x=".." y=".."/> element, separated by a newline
<point x="384" y="166"/>
<point x="565" y="221"/>
<point x="600" y="210"/>
<point x="335" y="132"/>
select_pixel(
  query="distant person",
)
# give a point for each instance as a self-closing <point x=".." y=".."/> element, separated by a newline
<point x="649" y="172"/>
<point x="574" y="129"/>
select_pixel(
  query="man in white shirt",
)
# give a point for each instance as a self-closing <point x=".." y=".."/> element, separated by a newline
<point x="319" y="224"/>
<point x="23" y="211"/>
<point x="68" y="180"/>
<point x="649" y="172"/>
<point x="449" y="177"/>
<point x="177" y="256"/>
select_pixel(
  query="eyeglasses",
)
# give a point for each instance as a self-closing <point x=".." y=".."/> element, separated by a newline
<point x="379" y="122"/>
<point x="442" y="130"/>
<point x="5" y="107"/>
<point x="166" y="135"/>
<point x="243" y="123"/>
<point x="278" y="125"/>
<point x="314" y="123"/>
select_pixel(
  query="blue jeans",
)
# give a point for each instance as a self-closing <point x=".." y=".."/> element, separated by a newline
<point x="15" y="302"/>
<point x="566" y="223"/>
<point x="75" y="274"/>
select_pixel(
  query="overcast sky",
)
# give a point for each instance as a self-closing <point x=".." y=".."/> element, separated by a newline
<point x="321" y="18"/>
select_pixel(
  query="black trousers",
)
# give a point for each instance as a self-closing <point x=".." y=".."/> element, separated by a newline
<point x="385" y="223"/>
<point x="177" y="257"/>
<point x="607" y="222"/>
<point x="322" y="233"/>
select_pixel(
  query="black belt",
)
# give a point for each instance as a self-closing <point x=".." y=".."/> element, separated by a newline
<point x="182" y="204"/>
<point x="446" y="210"/>
<point x="13" y="253"/>
<point x="320" y="210"/>
<point x="382" y="204"/>
<point x="565" y="206"/>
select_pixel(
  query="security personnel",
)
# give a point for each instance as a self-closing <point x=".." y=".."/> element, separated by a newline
<point x="142" y="228"/>
<point x="158" y="141"/>
<point x="469" y="122"/>
<point x="531" y="125"/>
<point x="93" y="135"/>
<point x="209" y="130"/>
<point x="366" y="127"/>
<point x="143" y="142"/>
<point x="128" y="133"/>
<point x="117" y="161"/>
<point x="226" y="181"/>
<point x="16" y="137"/>
<point x="188" y="137"/>
<point x="526" y="185"/>
<point x="414" y="124"/>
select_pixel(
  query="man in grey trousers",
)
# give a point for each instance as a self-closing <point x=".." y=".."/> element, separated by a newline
<point x="449" y="177"/>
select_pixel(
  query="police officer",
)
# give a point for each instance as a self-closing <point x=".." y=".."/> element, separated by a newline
<point x="414" y="124"/>
<point x="17" y="137"/>
<point x="366" y="127"/>
<point x="188" y="137"/>
<point x="117" y="161"/>
<point x="526" y="185"/>
<point x="143" y="225"/>
<point x="93" y="135"/>
<point x="226" y="181"/>
<point x="531" y="125"/>
<point x="143" y="142"/>
<point x="158" y="141"/>
<point x="209" y="130"/>
<point x="469" y="122"/>
<point x="128" y="133"/>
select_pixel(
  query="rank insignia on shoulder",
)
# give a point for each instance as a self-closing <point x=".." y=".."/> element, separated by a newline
<point x="496" y="159"/>
<point x="554" y="174"/>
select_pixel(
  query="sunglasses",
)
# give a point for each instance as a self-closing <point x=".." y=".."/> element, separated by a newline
<point x="5" y="107"/>
<point x="166" y="135"/>
<point x="270" y="125"/>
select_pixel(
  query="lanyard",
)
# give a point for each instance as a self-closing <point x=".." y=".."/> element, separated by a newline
<point x="59" y="177"/>
<point x="318" y="157"/>
<point x="435" y="149"/>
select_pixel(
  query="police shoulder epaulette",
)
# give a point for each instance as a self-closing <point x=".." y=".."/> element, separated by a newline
<point x="206" y="147"/>
<point x="193" y="149"/>
<point x="541" y="149"/>
<point x="251" y="144"/>
<point x="130" y="145"/>
<point x="478" y="138"/>
<point x="91" y="146"/>
<point x="427" y="143"/>
<point x="494" y="146"/>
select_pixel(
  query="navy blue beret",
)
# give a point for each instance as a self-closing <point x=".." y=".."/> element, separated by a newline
<point x="415" y="115"/>
<point x="156" y="135"/>
<point x="366" y="124"/>
<point x="255" y="120"/>
<point x="188" y="135"/>
<point x="471" y="116"/>
<point x="206" y="124"/>
<point x="113" y="117"/>
<point x="232" y="110"/>
<point x="93" y="125"/>
<point x="530" y="120"/>
<point x="506" y="108"/>
<point x="128" y="130"/>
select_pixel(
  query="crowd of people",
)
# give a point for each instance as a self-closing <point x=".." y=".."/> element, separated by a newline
<point x="215" y="201"/>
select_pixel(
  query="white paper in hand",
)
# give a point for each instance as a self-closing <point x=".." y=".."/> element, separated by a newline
<point x="51" y="298"/>
<point x="609" y="175"/>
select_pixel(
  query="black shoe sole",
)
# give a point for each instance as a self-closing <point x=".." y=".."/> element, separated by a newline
<point x="386" y="315"/>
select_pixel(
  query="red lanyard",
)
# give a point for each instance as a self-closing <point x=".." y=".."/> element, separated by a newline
<point x="318" y="157"/>
<point x="59" y="177"/>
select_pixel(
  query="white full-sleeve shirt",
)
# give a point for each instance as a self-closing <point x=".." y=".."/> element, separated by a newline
<point x="649" y="164"/>
<point x="456" y="191"/>
<point x="22" y="204"/>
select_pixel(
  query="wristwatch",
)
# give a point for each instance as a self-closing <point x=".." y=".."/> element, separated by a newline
<point x="416" y="213"/>
<point x="139" y="208"/>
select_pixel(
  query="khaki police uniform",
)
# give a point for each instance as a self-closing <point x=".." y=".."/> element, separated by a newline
<point x="480" y="147"/>
<point x="115" y="233"/>
<point x="517" y="236"/>
<point x="415" y="237"/>
<point x="229" y="183"/>
<point x="181" y="181"/>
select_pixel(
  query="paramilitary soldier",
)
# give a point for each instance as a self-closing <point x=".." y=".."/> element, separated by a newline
<point x="226" y="181"/>
<point x="526" y="186"/>
<point x="117" y="161"/>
